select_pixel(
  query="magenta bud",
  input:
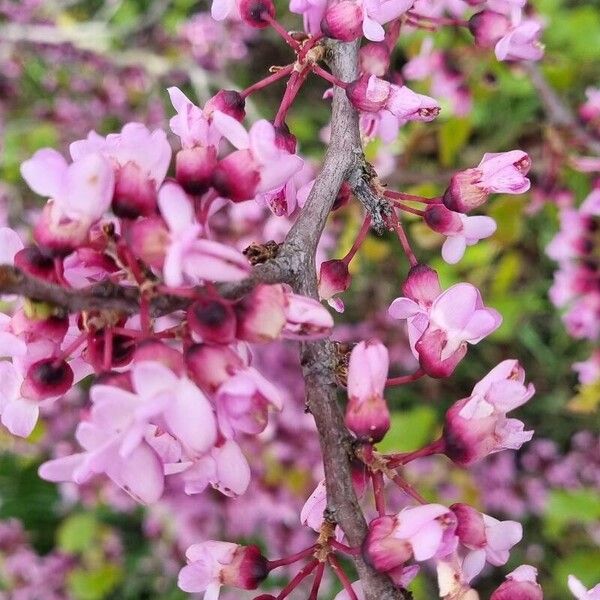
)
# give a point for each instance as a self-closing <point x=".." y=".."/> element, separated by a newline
<point x="154" y="350"/>
<point x="488" y="27"/>
<point x="213" y="319"/>
<point x="123" y="348"/>
<point x="368" y="93"/>
<point x="148" y="239"/>
<point x="464" y="192"/>
<point x="261" y="314"/>
<point x="430" y="348"/>
<point x="194" y="168"/>
<point x="368" y="420"/>
<point x="47" y="378"/>
<point x="247" y="570"/>
<point x="422" y="285"/>
<point x="236" y="177"/>
<point x="253" y="12"/>
<point x="209" y="366"/>
<point x="343" y="196"/>
<point x="37" y="263"/>
<point x="374" y="58"/>
<point x="521" y="584"/>
<point x="442" y="220"/>
<point x="343" y="21"/>
<point x="381" y="549"/>
<point x="285" y="139"/>
<point x="229" y="102"/>
<point x="135" y="194"/>
<point x="334" y="278"/>
<point x="470" y="527"/>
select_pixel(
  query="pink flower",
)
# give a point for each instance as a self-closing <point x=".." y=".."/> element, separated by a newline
<point x="334" y="278"/>
<point x="590" y="109"/>
<point x="367" y="414"/>
<point x="79" y="193"/>
<point x="488" y="27"/>
<point x="588" y="370"/>
<point x="225" y="468"/>
<point x="260" y="164"/>
<point x="312" y="12"/>
<point x="460" y="230"/>
<point x="521" y="584"/>
<point x="305" y="318"/>
<point x="521" y="42"/>
<point x="422" y="532"/>
<point x="486" y="538"/>
<point x="440" y="324"/>
<point x="213" y="564"/>
<point x="580" y="592"/>
<point x="189" y="259"/>
<point x="140" y="160"/>
<point x="311" y="514"/>
<point x="477" y="426"/>
<point x="346" y="19"/>
<point x="503" y="172"/>
<point x="243" y="402"/>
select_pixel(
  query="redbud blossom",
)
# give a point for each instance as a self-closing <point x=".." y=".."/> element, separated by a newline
<point x="228" y="102"/>
<point x="477" y="426"/>
<point x="305" y="318"/>
<point x="212" y="564"/>
<point x="37" y="262"/>
<point x="422" y="532"/>
<point x="502" y="172"/>
<point x="461" y="231"/>
<point x="439" y="329"/>
<point x="521" y="584"/>
<point x="521" y="42"/>
<point x="252" y="11"/>
<point x="209" y="366"/>
<point x="261" y="314"/>
<point x="487" y="539"/>
<point x="368" y="93"/>
<point x="334" y="278"/>
<point x="488" y="27"/>
<point x="212" y="319"/>
<point x="47" y="378"/>
<point x="374" y="58"/>
<point x="580" y="592"/>
<point x="367" y="414"/>
<point x="140" y="161"/>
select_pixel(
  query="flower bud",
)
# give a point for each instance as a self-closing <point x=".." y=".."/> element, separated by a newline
<point x="47" y="378"/>
<point x="422" y="285"/>
<point x="343" y="21"/>
<point x="36" y="262"/>
<point x="123" y="348"/>
<point x="261" y="314"/>
<point x="252" y="12"/>
<point x="154" y="350"/>
<point x="368" y="93"/>
<point x="135" y="193"/>
<point x="209" y="366"/>
<point x="194" y="168"/>
<point x="442" y="220"/>
<point x="334" y="278"/>
<point x="285" y="139"/>
<point x="374" y="58"/>
<point x="247" y="569"/>
<point x="470" y="527"/>
<point x="464" y="194"/>
<point x="430" y="348"/>
<point x="213" y="319"/>
<point x="229" y="102"/>
<point x="236" y="177"/>
<point x="148" y="239"/>
<point x="488" y="27"/>
<point x="521" y="584"/>
<point x="367" y="414"/>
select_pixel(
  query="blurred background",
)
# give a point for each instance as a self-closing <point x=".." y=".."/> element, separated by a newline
<point x="67" y="67"/>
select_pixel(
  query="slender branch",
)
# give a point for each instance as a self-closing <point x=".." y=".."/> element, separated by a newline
<point x="558" y="112"/>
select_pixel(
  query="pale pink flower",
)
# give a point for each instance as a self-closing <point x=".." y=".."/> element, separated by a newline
<point x="440" y="327"/>
<point x="312" y="12"/>
<point x="81" y="190"/>
<point x="311" y="514"/>
<point x="581" y="592"/>
<point x="486" y="538"/>
<point x="521" y="42"/>
<point x="422" y="533"/>
<point x="521" y="584"/>
<point x="190" y="259"/>
<point x="367" y="414"/>
<point x="305" y="318"/>
<point x="212" y="564"/>
<point x="477" y="426"/>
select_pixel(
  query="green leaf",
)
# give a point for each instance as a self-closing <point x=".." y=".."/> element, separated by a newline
<point x="94" y="584"/>
<point x="453" y="135"/>
<point x="410" y="430"/>
<point x="78" y="533"/>
<point x="567" y="507"/>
